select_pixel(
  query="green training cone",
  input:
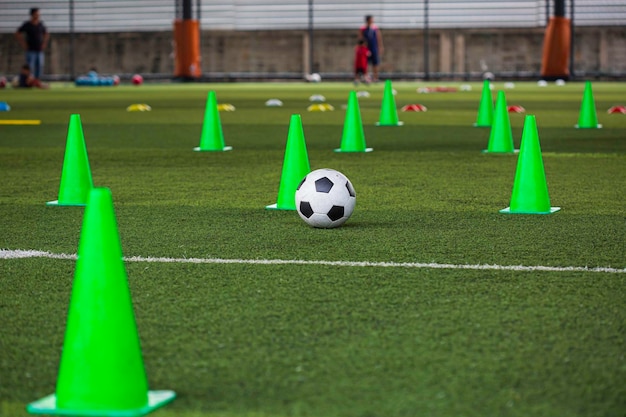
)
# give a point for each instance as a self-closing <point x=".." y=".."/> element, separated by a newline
<point x="588" y="118"/>
<point x="501" y="137"/>
<point x="530" y="191"/>
<point x="212" y="138"/>
<point x="388" y="111"/>
<point x="76" y="182"/>
<point x="295" y="166"/>
<point x="485" y="109"/>
<point x="353" y="138"/>
<point x="101" y="372"/>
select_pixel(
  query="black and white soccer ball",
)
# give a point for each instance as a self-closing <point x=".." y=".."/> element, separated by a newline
<point x="325" y="198"/>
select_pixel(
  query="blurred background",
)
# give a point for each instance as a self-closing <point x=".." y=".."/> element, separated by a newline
<point x="287" y="39"/>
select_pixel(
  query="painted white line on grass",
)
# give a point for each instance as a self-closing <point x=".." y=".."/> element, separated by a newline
<point x="17" y="254"/>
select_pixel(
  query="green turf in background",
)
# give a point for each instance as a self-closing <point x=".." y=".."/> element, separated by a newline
<point x="250" y="340"/>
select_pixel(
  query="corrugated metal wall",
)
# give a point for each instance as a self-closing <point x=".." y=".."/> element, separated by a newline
<point x="157" y="15"/>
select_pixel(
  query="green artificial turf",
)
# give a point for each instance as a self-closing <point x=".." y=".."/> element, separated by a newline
<point x="254" y="340"/>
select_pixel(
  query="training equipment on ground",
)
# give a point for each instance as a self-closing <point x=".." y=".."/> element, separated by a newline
<point x="4" y="106"/>
<point x="353" y="137"/>
<point x="515" y="109"/>
<point x="295" y="166"/>
<point x="560" y="82"/>
<point x="318" y="98"/>
<point x="325" y="198"/>
<point x="485" y="109"/>
<point x="542" y="83"/>
<point x="139" y="107"/>
<point x="363" y="94"/>
<point x="388" y="111"/>
<point x="617" y="110"/>
<point x="320" y="107"/>
<point x="92" y="79"/>
<point x="414" y="107"/>
<point x="101" y="372"/>
<point x="212" y="137"/>
<point x="501" y="136"/>
<point x="313" y="78"/>
<point x="3" y="82"/>
<point x="530" y="190"/>
<point x="588" y="118"/>
<point x="273" y="102"/>
<point x="76" y="182"/>
<point x="20" y="122"/>
<point x="137" y="79"/>
<point x="225" y="107"/>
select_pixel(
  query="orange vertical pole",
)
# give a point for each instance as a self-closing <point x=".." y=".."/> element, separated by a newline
<point x="187" y="48"/>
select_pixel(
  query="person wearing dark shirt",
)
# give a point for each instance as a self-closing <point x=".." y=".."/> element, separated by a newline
<point x="33" y="37"/>
<point x="374" y="39"/>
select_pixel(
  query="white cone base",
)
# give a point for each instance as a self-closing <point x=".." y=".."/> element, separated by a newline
<point x="508" y="211"/>
<point x="366" y="150"/>
<point x="275" y="207"/>
<point x="477" y="125"/>
<point x="399" y="124"/>
<point x="56" y="203"/>
<point x="226" y="148"/>
<point x="48" y="405"/>
<point x="598" y="126"/>
<point x="500" y="153"/>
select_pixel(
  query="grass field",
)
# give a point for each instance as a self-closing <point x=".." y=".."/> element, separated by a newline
<point x="330" y="339"/>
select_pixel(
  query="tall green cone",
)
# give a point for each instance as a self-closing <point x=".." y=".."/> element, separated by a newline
<point x="588" y="119"/>
<point x="295" y="166"/>
<point x="388" y="111"/>
<point x="212" y="138"/>
<point x="530" y="190"/>
<point x="501" y="136"/>
<point x="485" y="109"/>
<point x="101" y="371"/>
<point x="353" y="138"/>
<point x="76" y="182"/>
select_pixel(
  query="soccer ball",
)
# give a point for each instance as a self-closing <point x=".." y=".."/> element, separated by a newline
<point x="137" y="79"/>
<point x="313" y="78"/>
<point x="325" y="198"/>
<point x="116" y="80"/>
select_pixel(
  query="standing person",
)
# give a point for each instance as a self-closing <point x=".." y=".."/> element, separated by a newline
<point x="374" y="39"/>
<point x="33" y="37"/>
<point x="361" y="54"/>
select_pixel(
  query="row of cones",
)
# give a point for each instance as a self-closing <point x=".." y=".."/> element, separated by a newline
<point x="587" y="119"/>
<point x="101" y="372"/>
<point x="212" y="137"/>
<point x="530" y="190"/>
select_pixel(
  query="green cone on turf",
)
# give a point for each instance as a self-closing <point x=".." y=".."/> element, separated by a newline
<point x="388" y="111"/>
<point x="353" y="138"/>
<point x="501" y="136"/>
<point x="212" y="137"/>
<point x="76" y="182"/>
<point x="101" y="371"/>
<point x="530" y="190"/>
<point x="485" y="109"/>
<point x="295" y="166"/>
<point x="588" y="118"/>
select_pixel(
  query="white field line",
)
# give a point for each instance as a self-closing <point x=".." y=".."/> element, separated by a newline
<point x="17" y="254"/>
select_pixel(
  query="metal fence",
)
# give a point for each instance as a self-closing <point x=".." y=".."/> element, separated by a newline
<point x="82" y="16"/>
<point x="72" y="18"/>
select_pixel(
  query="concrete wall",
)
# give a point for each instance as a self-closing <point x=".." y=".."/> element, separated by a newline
<point x="513" y="52"/>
